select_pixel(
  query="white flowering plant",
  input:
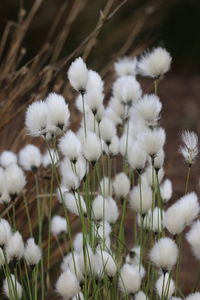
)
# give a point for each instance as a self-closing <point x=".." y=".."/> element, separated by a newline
<point x="110" y="168"/>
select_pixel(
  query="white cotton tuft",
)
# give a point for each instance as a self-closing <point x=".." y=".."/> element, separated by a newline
<point x="194" y="296"/>
<point x="134" y="256"/>
<point x="72" y="262"/>
<point x="110" y="114"/>
<point x="67" y="285"/>
<point x="105" y="208"/>
<point x="166" y="190"/>
<point x="47" y="158"/>
<point x="114" y="146"/>
<point x="89" y="263"/>
<point x="15" y="180"/>
<point x="189" y="150"/>
<point x="125" y="143"/>
<point x="108" y="262"/>
<point x="121" y="185"/>
<point x="15" y="247"/>
<point x="193" y="238"/>
<point x="92" y="147"/>
<point x="94" y="81"/>
<point x="7" y="158"/>
<point x="32" y="252"/>
<point x="141" y="198"/>
<point x="148" y="108"/>
<point x="70" y="180"/>
<point x="75" y="203"/>
<point x="37" y="118"/>
<point x="164" y="254"/>
<point x="117" y="106"/>
<point x="153" y="141"/>
<point x="136" y="157"/>
<point x="78" y="242"/>
<point x="58" y="112"/>
<point x="147" y="176"/>
<point x="5" y="232"/>
<point x="153" y="221"/>
<point x="159" y="160"/>
<point x="165" y="286"/>
<point x="155" y="64"/>
<point x="181" y="213"/>
<point x="127" y="89"/>
<point x="105" y="187"/>
<point x="58" y="225"/>
<point x="141" y="296"/>
<point x="129" y="280"/>
<point x="107" y="130"/>
<point x="94" y="99"/>
<point x="78" y="75"/>
<point x="12" y="287"/>
<point x="30" y="157"/>
<point x="126" y="66"/>
<point x="70" y="146"/>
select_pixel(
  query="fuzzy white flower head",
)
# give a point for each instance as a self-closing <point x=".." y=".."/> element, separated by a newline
<point x="125" y="142"/>
<point x="105" y="208"/>
<point x="15" y="180"/>
<point x="58" y="112"/>
<point x="67" y="285"/>
<point x="30" y="157"/>
<point x="105" y="187"/>
<point x="102" y="229"/>
<point x="136" y="156"/>
<point x="153" y="221"/>
<point x="155" y="64"/>
<point x="129" y="279"/>
<point x="92" y="147"/>
<point x="109" y="265"/>
<point x="79" y="105"/>
<point x="58" y="225"/>
<point x="70" y="146"/>
<point x="7" y="158"/>
<point x="94" y="81"/>
<point x="126" y="66"/>
<point x="194" y="296"/>
<point x="94" y="100"/>
<point x="165" y="286"/>
<point x="70" y="180"/>
<point x="164" y="254"/>
<point x="37" y="118"/>
<point x="78" y="75"/>
<point x="134" y="256"/>
<point x="107" y="130"/>
<point x="47" y="158"/>
<point x="148" y="108"/>
<point x="159" y="160"/>
<point x="153" y="141"/>
<point x="15" y="247"/>
<point x="78" y="242"/>
<point x="117" y="106"/>
<point x="121" y="185"/>
<point x="166" y="190"/>
<point x="113" y="116"/>
<point x="75" y="203"/>
<point x="32" y="252"/>
<point x="80" y="167"/>
<point x="73" y="263"/>
<point x="114" y="146"/>
<point x="127" y="89"/>
<point x="141" y="204"/>
<point x="2" y="183"/>
<point x="147" y="176"/>
<point x="5" y="232"/>
<point x="189" y="150"/>
<point x="141" y="296"/>
<point x="193" y="238"/>
<point x="88" y="263"/>
<point x="12" y="287"/>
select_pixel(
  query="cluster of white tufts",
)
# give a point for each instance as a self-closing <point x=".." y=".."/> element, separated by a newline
<point x="111" y="167"/>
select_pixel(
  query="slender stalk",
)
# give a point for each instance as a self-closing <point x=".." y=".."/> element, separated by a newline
<point x="187" y="178"/>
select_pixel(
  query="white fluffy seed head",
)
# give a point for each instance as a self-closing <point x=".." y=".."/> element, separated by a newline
<point x="110" y="114"/>
<point x="164" y="253"/>
<point x="7" y="158"/>
<point x="58" y="225"/>
<point x="129" y="279"/>
<point x="5" y="232"/>
<point x="78" y="75"/>
<point x="127" y="89"/>
<point x="166" y="190"/>
<point x="15" y="180"/>
<point x="67" y="285"/>
<point x="107" y="130"/>
<point x="148" y="108"/>
<point x="105" y="187"/>
<point x="75" y="203"/>
<point x="125" y="143"/>
<point x="153" y="141"/>
<point x="117" y="106"/>
<point x="165" y="286"/>
<point x="32" y="252"/>
<point x="147" y="176"/>
<point x="153" y="221"/>
<point x="78" y="242"/>
<point x="94" y="100"/>
<point x="193" y="238"/>
<point x="121" y="185"/>
<point x="141" y="198"/>
<point x="114" y="146"/>
<point x="109" y="265"/>
<point x="70" y="180"/>
<point x="92" y="147"/>
<point x="15" y="247"/>
<point x="58" y="112"/>
<point x="70" y="146"/>
<point x="126" y="66"/>
<point x="105" y="209"/>
<point x="48" y="157"/>
<point x="12" y="287"/>
<point x="134" y="256"/>
<point x="94" y="81"/>
<point x="37" y="118"/>
<point x="159" y="160"/>
<point x="189" y="150"/>
<point x="141" y="296"/>
<point x="136" y="156"/>
<point x="30" y="157"/>
<point x="155" y="64"/>
<point x="194" y="296"/>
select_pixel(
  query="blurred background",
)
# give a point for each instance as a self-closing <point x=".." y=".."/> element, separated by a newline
<point x="40" y="38"/>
